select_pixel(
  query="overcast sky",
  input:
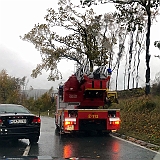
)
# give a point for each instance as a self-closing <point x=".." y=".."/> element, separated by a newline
<point x="18" y="57"/>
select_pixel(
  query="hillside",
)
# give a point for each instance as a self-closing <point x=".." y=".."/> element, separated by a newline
<point x="140" y="115"/>
<point x="36" y="93"/>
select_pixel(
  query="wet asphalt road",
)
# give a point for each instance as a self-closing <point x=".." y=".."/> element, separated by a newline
<point x="91" y="147"/>
<point x="81" y="146"/>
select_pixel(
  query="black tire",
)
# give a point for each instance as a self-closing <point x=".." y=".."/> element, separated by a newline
<point x="34" y="139"/>
<point x="57" y="127"/>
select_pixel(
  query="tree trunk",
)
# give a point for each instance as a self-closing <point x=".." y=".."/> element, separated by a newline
<point x="117" y="76"/>
<point x="125" y="73"/>
<point x="130" y="59"/>
<point x="147" y="89"/>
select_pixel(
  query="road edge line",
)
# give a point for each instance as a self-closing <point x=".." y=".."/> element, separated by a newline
<point x="136" y="144"/>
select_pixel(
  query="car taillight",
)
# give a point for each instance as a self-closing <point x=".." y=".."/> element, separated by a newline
<point x="1" y="122"/>
<point x="36" y="120"/>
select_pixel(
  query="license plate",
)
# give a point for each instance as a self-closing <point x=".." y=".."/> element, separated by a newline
<point x="17" y="121"/>
<point x="70" y="127"/>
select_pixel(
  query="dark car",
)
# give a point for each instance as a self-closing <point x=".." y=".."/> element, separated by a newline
<point x="17" y="122"/>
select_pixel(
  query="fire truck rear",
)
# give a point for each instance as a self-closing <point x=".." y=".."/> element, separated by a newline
<point x="81" y="103"/>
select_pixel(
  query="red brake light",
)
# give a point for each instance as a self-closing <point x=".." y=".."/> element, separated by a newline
<point x="70" y="121"/>
<point x="115" y="122"/>
<point x="36" y="120"/>
<point x="1" y="122"/>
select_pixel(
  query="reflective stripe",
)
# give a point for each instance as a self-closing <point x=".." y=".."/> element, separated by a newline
<point x="114" y="119"/>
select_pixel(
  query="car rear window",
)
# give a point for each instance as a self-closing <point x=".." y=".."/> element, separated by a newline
<point x="4" y="108"/>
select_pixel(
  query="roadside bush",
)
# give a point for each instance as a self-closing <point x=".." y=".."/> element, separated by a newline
<point x="156" y="89"/>
<point x="140" y="118"/>
<point x="141" y="126"/>
<point x="42" y="104"/>
<point x="135" y="92"/>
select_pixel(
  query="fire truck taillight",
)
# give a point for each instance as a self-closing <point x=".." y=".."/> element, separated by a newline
<point x="70" y="121"/>
<point x="114" y="121"/>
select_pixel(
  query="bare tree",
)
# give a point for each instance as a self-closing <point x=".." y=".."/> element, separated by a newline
<point x="147" y="5"/>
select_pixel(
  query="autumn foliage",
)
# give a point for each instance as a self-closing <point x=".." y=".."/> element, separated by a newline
<point x="140" y="117"/>
<point x="12" y="90"/>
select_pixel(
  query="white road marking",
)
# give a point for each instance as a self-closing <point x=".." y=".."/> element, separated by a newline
<point x="26" y="151"/>
<point x="136" y="144"/>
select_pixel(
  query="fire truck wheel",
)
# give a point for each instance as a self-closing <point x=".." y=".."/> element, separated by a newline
<point x="99" y="133"/>
<point x="57" y="131"/>
<point x="57" y="127"/>
<point x="60" y="125"/>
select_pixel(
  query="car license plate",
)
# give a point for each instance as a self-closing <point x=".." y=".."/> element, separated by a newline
<point x="17" y="121"/>
<point x="70" y="127"/>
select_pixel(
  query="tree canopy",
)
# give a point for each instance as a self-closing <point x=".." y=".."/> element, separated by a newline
<point x="148" y="6"/>
<point x="157" y="44"/>
<point x="11" y="88"/>
<point x="84" y="38"/>
<point x="89" y="38"/>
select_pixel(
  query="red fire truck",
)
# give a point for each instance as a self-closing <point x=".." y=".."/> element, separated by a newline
<point x="81" y="103"/>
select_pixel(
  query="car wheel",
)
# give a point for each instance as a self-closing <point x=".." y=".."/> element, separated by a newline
<point x="34" y="139"/>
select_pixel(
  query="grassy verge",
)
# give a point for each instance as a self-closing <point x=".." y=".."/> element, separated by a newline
<point x="140" y="118"/>
<point x="46" y="113"/>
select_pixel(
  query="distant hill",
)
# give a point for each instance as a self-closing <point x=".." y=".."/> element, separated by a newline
<point x="36" y="93"/>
